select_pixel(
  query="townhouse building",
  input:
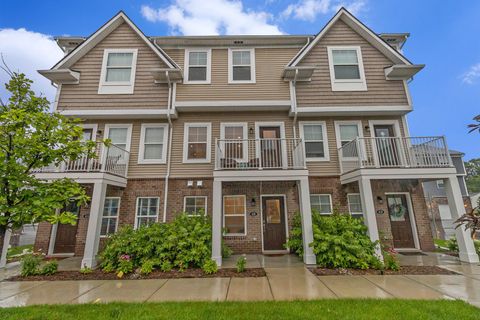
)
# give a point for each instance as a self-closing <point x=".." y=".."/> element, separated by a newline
<point x="249" y="130"/>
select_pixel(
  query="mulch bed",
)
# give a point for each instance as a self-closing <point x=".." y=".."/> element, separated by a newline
<point x="404" y="270"/>
<point x="174" y="274"/>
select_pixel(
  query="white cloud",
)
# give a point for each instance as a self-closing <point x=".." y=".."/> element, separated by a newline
<point x="26" y="52"/>
<point x="308" y="10"/>
<point x="213" y="17"/>
<point x="472" y="74"/>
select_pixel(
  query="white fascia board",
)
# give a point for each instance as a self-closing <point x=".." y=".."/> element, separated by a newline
<point x="398" y="173"/>
<point x="351" y="110"/>
<point x="119" y="113"/>
<point x="260" y="175"/>
<point x="233" y="103"/>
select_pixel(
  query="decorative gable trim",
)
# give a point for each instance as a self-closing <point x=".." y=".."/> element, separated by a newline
<point x="361" y="29"/>
<point x="101" y="34"/>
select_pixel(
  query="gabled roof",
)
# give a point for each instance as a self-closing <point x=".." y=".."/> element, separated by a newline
<point x="101" y="34"/>
<point x="361" y="29"/>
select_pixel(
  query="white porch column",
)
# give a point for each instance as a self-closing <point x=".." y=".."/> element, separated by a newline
<point x="306" y="212"/>
<point x="455" y="202"/>
<point x="369" y="215"/>
<point x="217" y="223"/>
<point x="94" y="224"/>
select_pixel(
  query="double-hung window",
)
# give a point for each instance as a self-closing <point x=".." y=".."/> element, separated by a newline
<point x="195" y="205"/>
<point x="197" y="142"/>
<point x="119" y="135"/>
<point x="355" y="205"/>
<point x="241" y="66"/>
<point x="147" y="211"/>
<point x="197" y="65"/>
<point x="234" y="215"/>
<point x="314" y="135"/>
<point x="118" y="71"/>
<point x="153" y="141"/>
<point x="111" y="208"/>
<point x="321" y="203"/>
<point x="347" y="131"/>
<point x="346" y="68"/>
<point x="234" y="140"/>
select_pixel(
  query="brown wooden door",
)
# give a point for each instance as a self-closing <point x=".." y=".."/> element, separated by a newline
<point x="400" y="221"/>
<point x="270" y="147"/>
<point x="387" y="148"/>
<point x="66" y="236"/>
<point x="273" y="211"/>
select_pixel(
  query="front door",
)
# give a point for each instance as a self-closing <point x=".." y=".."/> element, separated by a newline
<point x="387" y="148"/>
<point x="274" y="234"/>
<point x="65" y="238"/>
<point x="270" y="147"/>
<point x="401" y="226"/>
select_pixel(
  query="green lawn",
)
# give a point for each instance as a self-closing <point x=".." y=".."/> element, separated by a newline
<point x="440" y="243"/>
<point x="17" y="250"/>
<point x="344" y="309"/>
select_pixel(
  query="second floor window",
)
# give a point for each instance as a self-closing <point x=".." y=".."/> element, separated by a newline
<point x="196" y="146"/>
<point x="118" y="71"/>
<point x="153" y="140"/>
<point x="241" y="66"/>
<point x="347" y="131"/>
<point x="346" y="69"/>
<point x="197" y="66"/>
<point x="119" y="136"/>
<point x="234" y="149"/>
<point x="314" y="135"/>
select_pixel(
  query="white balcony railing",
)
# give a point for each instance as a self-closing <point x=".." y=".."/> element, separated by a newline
<point x="395" y="152"/>
<point x="111" y="159"/>
<point x="259" y="154"/>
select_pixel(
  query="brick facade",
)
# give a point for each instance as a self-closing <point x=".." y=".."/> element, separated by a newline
<point x="252" y="241"/>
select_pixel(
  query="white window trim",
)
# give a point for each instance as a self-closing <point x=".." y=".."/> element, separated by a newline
<point x="117" y="87"/>
<point x="347" y="84"/>
<point x="236" y="215"/>
<point x="141" y="148"/>
<point x="348" y="203"/>
<point x="360" y="135"/>
<point x="252" y="65"/>
<point x="136" y="210"/>
<point x="186" y="129"/>
<point x="94" y="128"/>
<point x="185" y="205"/>
<point x="117" y="216"/>
<point x="331" y="204"/>
<point x="244" y="125"/>
<point x="325" y="140"/>
<point x="440" y="184"/>
<point x="187" y="64"/>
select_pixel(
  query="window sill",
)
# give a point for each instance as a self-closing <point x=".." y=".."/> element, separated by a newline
<point x="241" y="82"/>
<point x="197" y="82"/>
<point x="152" y="162"/>
<point x="317" y="159"/>
<point x="196" y="161"/>
<point x="349" y="86"/>
<point x="115" y="89"/>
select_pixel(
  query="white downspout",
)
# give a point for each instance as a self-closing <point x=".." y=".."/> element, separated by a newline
<point x="294" y="104"/>
<point x="170" y="134"/>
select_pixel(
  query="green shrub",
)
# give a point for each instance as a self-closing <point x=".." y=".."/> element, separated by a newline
<point x="182" y="243"/>
<point x="452" y="245"/>
<point x="210" y="267"/>
<point x="241" y="264"/>
<point x="30" y="264"/>
<point x="390" y="259"/>
<point x="339" y="241"/>
<point x="147" y="267"/>
<point x="86" y="270"/>
<point x="226" y="251"/>
<point x="295" y="241"/>
<point x="49" y="268"/>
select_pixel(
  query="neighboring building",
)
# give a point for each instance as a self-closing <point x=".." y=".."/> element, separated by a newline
<point x="441" y="220"/>
<point x="250" y="130"/>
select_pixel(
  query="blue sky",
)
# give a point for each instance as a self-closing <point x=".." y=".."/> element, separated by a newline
<point x="444" y="36"/>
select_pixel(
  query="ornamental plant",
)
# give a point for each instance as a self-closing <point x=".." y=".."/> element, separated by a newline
<point x="339" y="241"/>
<point x="390" y="259"/>
<point x="241" y="264"/>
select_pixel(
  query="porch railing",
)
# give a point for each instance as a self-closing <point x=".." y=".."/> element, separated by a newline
<point x="111" y="159"/>
<point x="259" y="154"/>
<point x="394" y="152"/>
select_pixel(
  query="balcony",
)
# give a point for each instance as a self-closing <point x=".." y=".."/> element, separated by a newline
<point x="259" y="154"/>
<point x="111" y="160"/>
<point x="394" y="153"/>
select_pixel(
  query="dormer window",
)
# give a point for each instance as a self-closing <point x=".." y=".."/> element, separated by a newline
<point x="197" y="65"/>
<point x="118" y="71"/>
<point x="241" y="66"/>
<point x="346" y="69"/>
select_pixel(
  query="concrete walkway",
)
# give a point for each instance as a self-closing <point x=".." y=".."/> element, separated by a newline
<point x="287" y="279"/>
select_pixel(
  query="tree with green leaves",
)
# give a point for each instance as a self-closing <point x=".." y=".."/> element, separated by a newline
<point x="32" y="137"/>
<point x="473" y="175"/>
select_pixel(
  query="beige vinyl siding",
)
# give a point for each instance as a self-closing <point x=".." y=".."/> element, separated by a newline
<point x="319" y="92"/>
<point x="269" y="65"/>
<point x="147" y="94"/>
<point x="135" y="170"/>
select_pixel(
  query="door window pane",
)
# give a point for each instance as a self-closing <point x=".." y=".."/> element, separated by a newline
<point x="272" y="211"/>
<point x="397" y="208"/>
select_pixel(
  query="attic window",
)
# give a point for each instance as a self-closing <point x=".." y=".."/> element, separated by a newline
<point x="346" y="69"/>
<point x="118" y="71"/>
